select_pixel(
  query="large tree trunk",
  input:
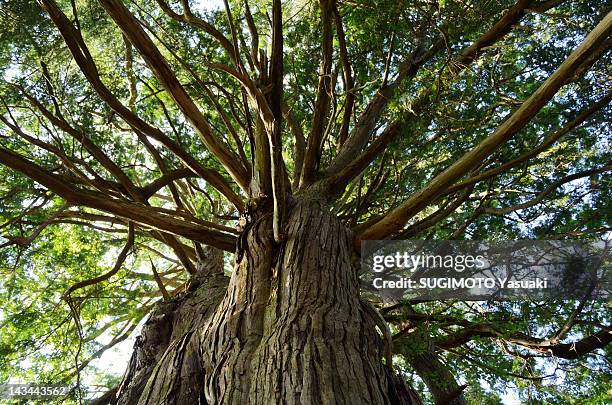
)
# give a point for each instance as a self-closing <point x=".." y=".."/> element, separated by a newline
<point x="289" y="328"/>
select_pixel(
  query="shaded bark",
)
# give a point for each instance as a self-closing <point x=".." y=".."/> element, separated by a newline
<point x="439" y="380"/>
<point x="290" y="328"/>
<point x="168" y="335"/>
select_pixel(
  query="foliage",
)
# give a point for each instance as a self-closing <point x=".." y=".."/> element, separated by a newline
<point x="445" y="108"/>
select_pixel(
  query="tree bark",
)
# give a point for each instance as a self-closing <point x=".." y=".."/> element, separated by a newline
<point x="439" y="380"/>
<point x="289" y="328"/>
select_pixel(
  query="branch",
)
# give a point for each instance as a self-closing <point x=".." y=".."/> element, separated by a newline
<point x="549" y="189"/>
<point x="277" y="165"/>
<point x="160" y="282"/>
<point x="435" y="374"/>
<point x="254" y="33"/>
<point x="123" y="335"/>
<point x="347" y="77"/>
<point x="324" y="91"/>
<point x="338" y="181"/>
<point x="189" y="18"/>
<point x="120" y="260"/>
<point x="160" y="67"/>
<point x="299" y="148"/>
<point x="436" y="217"/>
<point x="159" y="160"/>
<point x="83" y="59"/>
<point x="138" y="213"/>
<point x="65" y="159"/>
<point x="256" y="94"/>
<point x="91" y="147"/>
<point x="173" y="242"/>
<point x="134" y="191"/>
<point x="24" y="241"/>
<point x="577" y="349"/>
<point x="500" y="29"/>
<point x="395" y="220"/>
<point x="571" y="321"/>
<point x="546" y="143"/>
<point x="542" y="6"/>
<point x="368" y="119"/>
<point x="152" y="188"/>
<point x="569" y="351"/>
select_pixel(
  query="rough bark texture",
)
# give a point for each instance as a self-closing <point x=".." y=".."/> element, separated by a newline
<point x="435" y="374"/>
<point x="166" y="354"/>
<point x="290" y="328"/>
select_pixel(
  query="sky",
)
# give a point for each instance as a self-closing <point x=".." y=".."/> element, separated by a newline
<point x="207" y="5"/>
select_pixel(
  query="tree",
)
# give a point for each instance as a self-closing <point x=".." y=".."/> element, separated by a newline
<point x="141" y="140"/>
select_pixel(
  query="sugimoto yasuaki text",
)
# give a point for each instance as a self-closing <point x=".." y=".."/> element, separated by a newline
<point x="460" y="283"/>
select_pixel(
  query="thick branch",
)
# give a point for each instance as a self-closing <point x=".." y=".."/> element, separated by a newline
<point x="139" y="213"/>
<point x="338" y="180"/>
<point x="299" y="148"/>
<point x="347" y="77"/>
<point x="501" y="28"/>
<point x="88" y="67"/>
<point x="546" y="143"/>
<point x="158" y="64"/>
<point x="396" y="219"/>
<point x="569" y="351"/>
<point x="436" y="217"/>
<point x="368" y="119"/>
<point x="324" y="92"/>
<point x="167" y="178"/>
<point x="439" y="380"/>
<point x="277" y="165"/>
<point x="370" y="116"/>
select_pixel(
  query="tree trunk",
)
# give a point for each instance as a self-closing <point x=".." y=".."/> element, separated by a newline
<point x="289" y="328"/>
<point x="439" y="380"/>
